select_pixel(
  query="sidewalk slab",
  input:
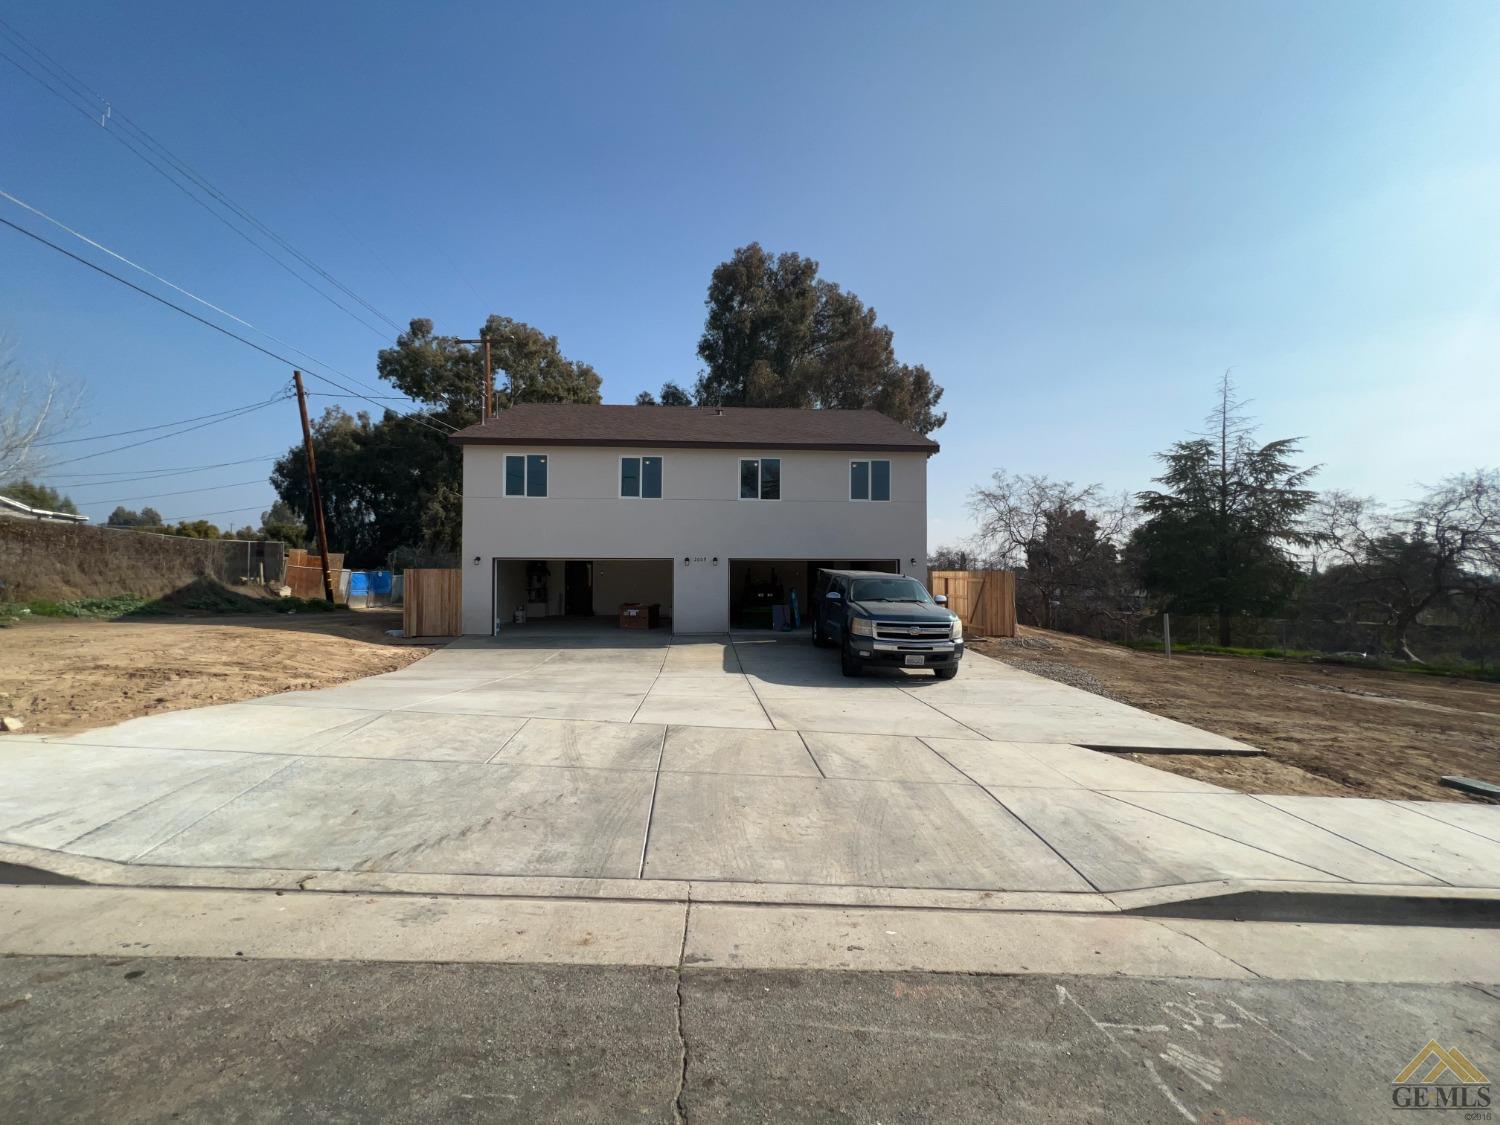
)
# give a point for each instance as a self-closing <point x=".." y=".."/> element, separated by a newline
<point x="1482" y="820"/>
<point x="246" y="727"/>
<point x="1304" y="951"/>
<point x="1091" y="769"/>
<point x="362" y="695"/>
<point x="616" y="707"/>
<point x="1452" y="854"/>
<point x="695" y="749"/>
<point x="555" y="742"/>
<point x="128" y="837"/>
<point x="425" y="738"/>
<point x="53" y="793"/>
<point x="749" y="937"/>
<point x="1013" y="764"/>
<point x="108" y="921"/>
<point x="1119" y="846"/>
<point x="1084" y="724"/>
<point x="719" y="708"/>
<point x="808" y="830"/>
<point x="880" y="757"/>
<point x="1243" y="818"/>
<point x="877" y="714"/>
<point x="428" y="816"/>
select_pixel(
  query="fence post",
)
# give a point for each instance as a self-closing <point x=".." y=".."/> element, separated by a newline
<point x="1166" y="633"/>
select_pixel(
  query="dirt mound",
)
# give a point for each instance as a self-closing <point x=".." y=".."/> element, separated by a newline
<point x="209" y="597"/>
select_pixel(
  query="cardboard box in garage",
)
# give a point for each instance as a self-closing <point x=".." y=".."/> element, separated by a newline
<point x="635" y="615"/>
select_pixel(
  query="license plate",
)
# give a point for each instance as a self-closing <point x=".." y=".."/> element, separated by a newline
<point x="915" y="661"/>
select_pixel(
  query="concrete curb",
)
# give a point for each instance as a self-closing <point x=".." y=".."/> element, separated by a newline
<point x="1283" y="896"/>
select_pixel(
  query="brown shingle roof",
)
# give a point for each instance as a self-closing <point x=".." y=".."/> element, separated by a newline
<point x="694" y="426"/>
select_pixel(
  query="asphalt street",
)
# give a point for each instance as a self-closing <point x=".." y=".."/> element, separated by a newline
<point x="127" y="1039"/>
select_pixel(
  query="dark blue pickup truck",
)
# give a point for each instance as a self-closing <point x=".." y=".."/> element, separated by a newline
<point x="877" y="618"/>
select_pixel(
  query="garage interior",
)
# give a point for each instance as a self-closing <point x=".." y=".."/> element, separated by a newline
<point x="580" y="590"/>
<point x="757" y="587"/>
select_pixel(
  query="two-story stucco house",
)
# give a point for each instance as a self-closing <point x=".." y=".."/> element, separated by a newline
<point x="571" y="510"/>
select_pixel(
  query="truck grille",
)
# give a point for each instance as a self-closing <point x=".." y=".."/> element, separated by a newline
<point x="911" y="631"/>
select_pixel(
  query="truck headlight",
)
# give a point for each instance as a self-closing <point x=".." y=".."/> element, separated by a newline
<point x="958" y="629"/>
<point x="862" y="627"/>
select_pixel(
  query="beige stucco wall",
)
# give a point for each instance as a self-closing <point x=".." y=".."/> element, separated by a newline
<point x="699" y="517"/>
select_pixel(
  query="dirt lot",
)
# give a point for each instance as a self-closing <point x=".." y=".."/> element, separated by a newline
<point x="1329" y="730"/>
<point x="65" y="674"/>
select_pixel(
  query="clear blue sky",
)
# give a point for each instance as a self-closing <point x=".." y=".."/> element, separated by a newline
<point x="1075" y="215"/>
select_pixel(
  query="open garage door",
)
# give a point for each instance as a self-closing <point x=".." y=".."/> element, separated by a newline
<point x="758" y="586"/>
<point x="583" y="591"/>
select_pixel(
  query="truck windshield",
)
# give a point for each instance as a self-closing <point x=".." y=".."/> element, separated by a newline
<point x="888" y="590"/>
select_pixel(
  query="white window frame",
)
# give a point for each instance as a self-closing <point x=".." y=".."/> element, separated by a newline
<point x="525" y="476"/>
<point x="870" y="479"/>
<point x="641" y="477"/>
<point x="758" y="498"/>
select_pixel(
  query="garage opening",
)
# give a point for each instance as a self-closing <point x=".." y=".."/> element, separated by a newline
<point x="594" y="593"/>
<point x="764" y="592"/>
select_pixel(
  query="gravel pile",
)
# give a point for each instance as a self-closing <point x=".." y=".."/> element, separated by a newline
<point x="1063" y="674"/>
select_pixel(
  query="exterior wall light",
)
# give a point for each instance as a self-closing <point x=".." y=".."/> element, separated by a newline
<point x="476" y="560"/>
<point x="716" y="560"/>
<point x="685" y="561"/>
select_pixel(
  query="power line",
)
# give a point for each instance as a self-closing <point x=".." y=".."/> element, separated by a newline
<point x="330" y="394"/>
<point x="175" y="183"/>
<point x="172" y="285"/>
<point x="73" y="481"/>
<point x="202" y="320"/>
<point x="107" y="114"/>
<point x="216" y="308"/>
<point x="174" y="433"/>
<point x="180" y="492"/>
<point x="147" y="429"/>
<point x="222" y="512"/>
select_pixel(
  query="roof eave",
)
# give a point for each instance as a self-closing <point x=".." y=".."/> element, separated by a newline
<point x="929" y="447"/>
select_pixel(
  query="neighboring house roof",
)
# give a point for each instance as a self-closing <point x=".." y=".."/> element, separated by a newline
<point x="660" y="427"/>
<point x="14" y="509"/>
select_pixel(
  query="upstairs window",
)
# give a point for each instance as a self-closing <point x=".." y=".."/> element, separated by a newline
<point x="869" y="480"/>
<point x="760" y="478"/>
<point x="525" y="474"/>
<point x="640" y="477"/>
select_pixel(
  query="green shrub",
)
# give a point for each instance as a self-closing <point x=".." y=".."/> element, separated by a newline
<point x="201" y="597"/>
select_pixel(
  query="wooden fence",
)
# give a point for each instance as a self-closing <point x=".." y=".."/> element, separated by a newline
<point x="985" y="600"/>
<point x="432" y="599"/>
<point x="307" y="582"/>
<point x="304" y="575"/>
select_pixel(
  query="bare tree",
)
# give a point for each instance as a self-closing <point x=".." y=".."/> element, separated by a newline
<point x="957" y="556"/>
<point x="1064" y="539"/>
<point x="1439" y="550"/>
<point x="33" y="408"/>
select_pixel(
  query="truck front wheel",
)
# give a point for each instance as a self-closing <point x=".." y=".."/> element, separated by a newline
<point x="849" y="662"/>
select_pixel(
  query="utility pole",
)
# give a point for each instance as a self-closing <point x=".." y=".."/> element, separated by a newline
<point x="312" y="486"/>
<point x="488" y="407"/>
<point x="486" y="381"/>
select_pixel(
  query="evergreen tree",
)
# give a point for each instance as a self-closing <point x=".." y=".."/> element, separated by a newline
<point x="1217" y="536"/>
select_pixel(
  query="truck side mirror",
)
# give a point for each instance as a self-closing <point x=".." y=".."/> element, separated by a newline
<point x="834" y="596"/>
<point x="941" y="599"/>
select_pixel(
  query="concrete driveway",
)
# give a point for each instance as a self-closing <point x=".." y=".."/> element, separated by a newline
<point x="656" y="767"/>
